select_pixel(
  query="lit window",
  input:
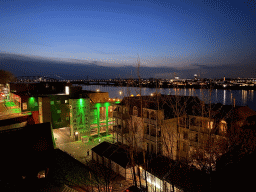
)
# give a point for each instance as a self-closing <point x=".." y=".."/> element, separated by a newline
<point x="58" y="111"/>
<point x="67" y="90"/>
<point x="52" y="102"/>
<point x="210" y="124"/>
<point x="223" y="126"/>
<point x="24" y="106"/>
<point x="66" y="101"/>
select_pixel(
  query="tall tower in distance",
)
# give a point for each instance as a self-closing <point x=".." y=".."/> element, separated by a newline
<point x="195" y="77"/>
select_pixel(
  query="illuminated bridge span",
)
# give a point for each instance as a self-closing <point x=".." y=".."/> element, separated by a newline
<point x="96" y="82"/>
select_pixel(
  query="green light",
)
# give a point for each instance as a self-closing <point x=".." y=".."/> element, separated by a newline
<point x="106" y="104"/>
<point x="117" y="102"/>
<point x="15" y="110"/>
<point x="81" y="102"/>
<point x="9" y="104"/>
<point x="98" y="105"/>
<point x="32" y="104"/>
<point x="31" y="99"/>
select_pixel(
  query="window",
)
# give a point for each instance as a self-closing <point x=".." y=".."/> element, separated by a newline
<point x="193" y="121"/>
<point x="185" y="135"/>
<point x="52" y="102"/>
<point x="153" y="116"/>
<point x="159" y="133"/>
<point x="159" y="149"/>
<point x="152" y="148"/>
<point x="58" y="111"/>
<point x="185" y="147"/>
<point x="67" y="118"/>
<point x="135" y="111"/>
<point x="223" y="126"/>
<point x="24" y="106"/>
<point x="210" y="125"/>
<point x="66" y="101"/>
<point x="135" y="127"/>
<point x="58" y="102"/>
<point x="147" y="129"/>
<point x="196" y="137"/>
<point x="212" y="140"/>
<point x="182" y="122"/>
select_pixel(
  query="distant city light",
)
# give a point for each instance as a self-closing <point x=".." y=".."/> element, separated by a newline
<point x="67" y="90"/>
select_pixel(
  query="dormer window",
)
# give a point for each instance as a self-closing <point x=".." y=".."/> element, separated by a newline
<point x="223" y="126"/>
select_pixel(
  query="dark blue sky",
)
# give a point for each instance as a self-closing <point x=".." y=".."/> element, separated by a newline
<point x="170" y="33"/>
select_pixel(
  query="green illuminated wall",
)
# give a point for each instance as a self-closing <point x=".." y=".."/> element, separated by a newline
<point x="33" y="104"/>
<point x="79" y="115"/>
<point x="59" y="111"/>
<point x="89" y="119"/>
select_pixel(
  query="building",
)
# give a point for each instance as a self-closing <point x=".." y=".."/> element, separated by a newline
<point x="150" y="118"/>
<point x="25" y="151"/>
<point x="113" y="156"/>
<point x="86" y="114"/>
<point x="181" y="128"/>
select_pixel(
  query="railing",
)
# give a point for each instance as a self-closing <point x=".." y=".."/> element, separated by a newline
<point x="150" y="121"/>
<point x="204" y="130"/>
<point x="193" y="144"/>
<point x="152" y="138"/>
<point x="117" y="114"/>
<point x="117" y="127"/>
<point x="194" y="128"/>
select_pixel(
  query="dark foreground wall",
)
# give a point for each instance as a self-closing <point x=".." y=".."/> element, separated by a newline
<point x="25" y="151"/>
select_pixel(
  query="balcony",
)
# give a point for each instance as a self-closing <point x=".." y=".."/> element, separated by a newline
<point x="194" y="128"/>
<point x="193" y="144"/>
<point x="205" y="130"/>
<point x="118" y="129"/>
<point x="150" y="121"/>
<point x="152" y="138"/>
<point x="117" y="114"/>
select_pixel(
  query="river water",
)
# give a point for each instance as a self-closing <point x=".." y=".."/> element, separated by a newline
<point x="226" y="97"/>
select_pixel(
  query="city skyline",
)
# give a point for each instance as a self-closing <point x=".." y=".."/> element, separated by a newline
<point x="110" y="33"/>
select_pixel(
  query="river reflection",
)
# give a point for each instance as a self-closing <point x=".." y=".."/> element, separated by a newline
<point x="226" y="97"/>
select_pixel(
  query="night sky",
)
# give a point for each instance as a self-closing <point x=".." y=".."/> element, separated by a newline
<point x="162" y="33"/>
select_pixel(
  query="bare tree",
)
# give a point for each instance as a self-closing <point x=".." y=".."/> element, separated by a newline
<point x="6" y="77"/>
